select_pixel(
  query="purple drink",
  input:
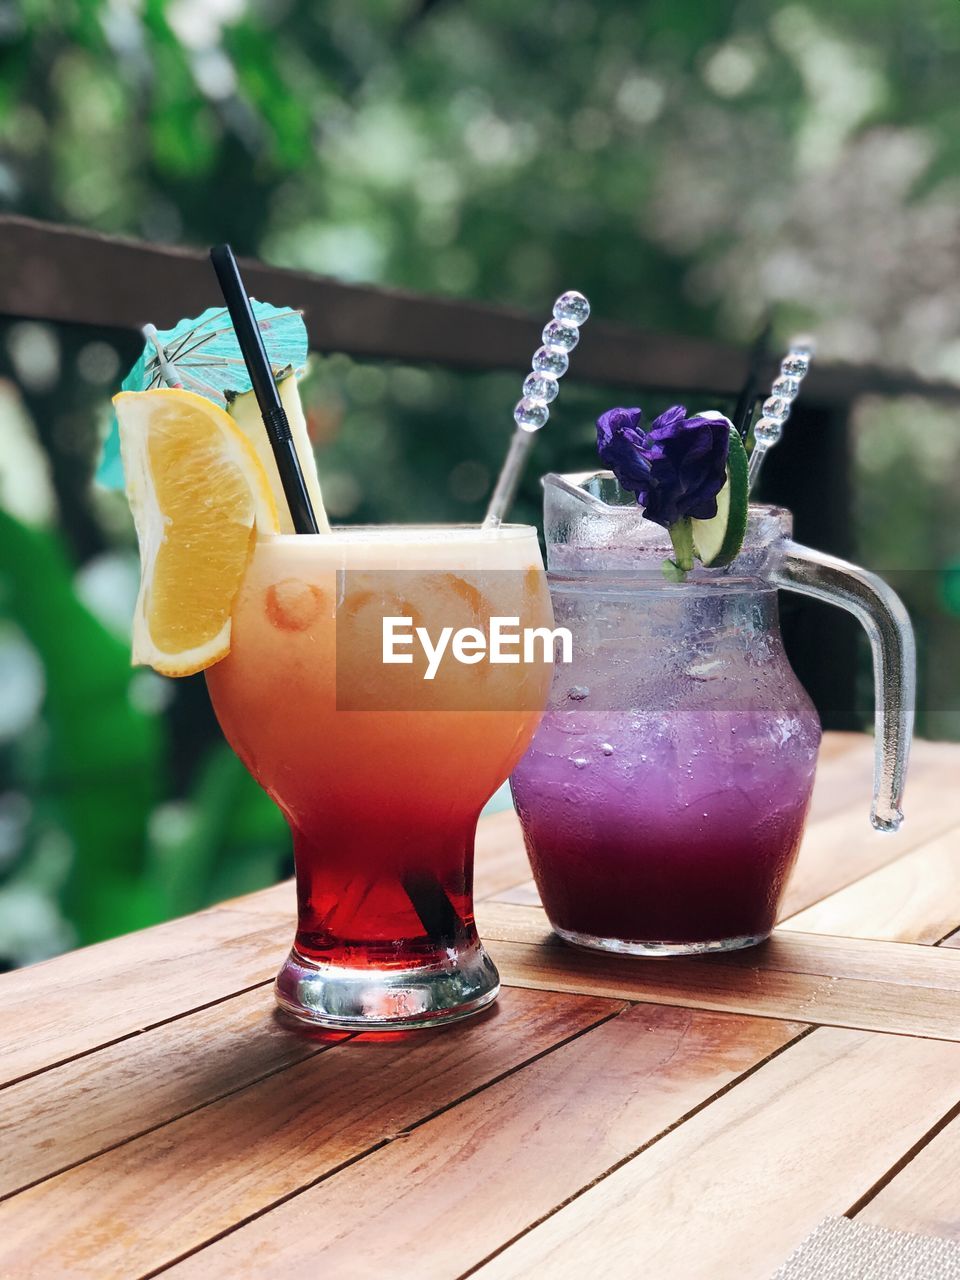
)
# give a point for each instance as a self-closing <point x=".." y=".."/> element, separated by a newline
<point x="669" y="832"/>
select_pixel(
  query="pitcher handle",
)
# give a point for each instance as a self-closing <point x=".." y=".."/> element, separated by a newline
<point x="884" y="618"/>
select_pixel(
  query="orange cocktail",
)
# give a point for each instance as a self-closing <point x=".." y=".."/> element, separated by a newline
<point x="381" y="772"/>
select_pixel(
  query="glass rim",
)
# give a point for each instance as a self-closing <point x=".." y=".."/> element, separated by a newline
<point x="409" y="532"/>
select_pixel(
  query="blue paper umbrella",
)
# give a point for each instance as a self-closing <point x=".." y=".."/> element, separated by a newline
<point x="202" y="355"/>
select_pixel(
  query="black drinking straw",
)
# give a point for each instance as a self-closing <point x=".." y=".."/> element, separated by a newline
<point x="265" y="389"/>
<point x="437" y="913"/>
<point x="751" y="390"/>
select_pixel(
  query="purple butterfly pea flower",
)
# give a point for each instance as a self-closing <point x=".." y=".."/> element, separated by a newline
<point x="676" y="469"/>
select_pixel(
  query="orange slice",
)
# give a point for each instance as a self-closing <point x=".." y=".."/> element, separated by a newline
<point x="199" y="496"/>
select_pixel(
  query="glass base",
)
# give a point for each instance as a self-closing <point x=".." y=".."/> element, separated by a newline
<point x="387" y="999"/>
<point x="618" y="947"/>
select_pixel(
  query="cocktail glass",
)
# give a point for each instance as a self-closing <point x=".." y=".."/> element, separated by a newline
<point x="665" y="793"/>
<point x="380" y="773"/>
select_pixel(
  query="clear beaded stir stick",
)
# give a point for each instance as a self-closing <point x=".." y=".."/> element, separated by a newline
<point x="776" y="408"/>
<point x="550" y="362"/>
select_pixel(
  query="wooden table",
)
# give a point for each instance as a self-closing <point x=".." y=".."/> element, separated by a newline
<point x="684" y="1118"/>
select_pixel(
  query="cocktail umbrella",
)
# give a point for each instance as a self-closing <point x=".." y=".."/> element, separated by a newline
<point x="203" y="355"/>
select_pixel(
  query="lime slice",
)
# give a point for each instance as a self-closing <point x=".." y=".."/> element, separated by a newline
<point x="717" y="541"/>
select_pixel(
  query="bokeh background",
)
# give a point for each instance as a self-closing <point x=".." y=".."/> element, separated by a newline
<point x="693" y="167"/>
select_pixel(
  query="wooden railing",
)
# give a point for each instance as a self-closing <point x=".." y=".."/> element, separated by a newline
<point x="56" y="273"/>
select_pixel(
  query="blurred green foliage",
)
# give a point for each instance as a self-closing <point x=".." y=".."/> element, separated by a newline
<point x="690" y="166"/>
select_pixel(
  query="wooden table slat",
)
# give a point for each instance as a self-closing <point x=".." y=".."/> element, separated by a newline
<point x="734" y="1190"/>
<point x="146" y="1203"/>
<point x="922" y="1197"/>
<point x="849" y="982"/>
<point x="456" y="1189"/>
<point x="914" y="899"/>
<point x="71" y="1113"/>
<point x="75" y="1003"/>
<point x="841" y="848"/>
<point x="910" y="964"/>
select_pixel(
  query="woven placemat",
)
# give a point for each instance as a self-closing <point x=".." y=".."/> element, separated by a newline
<point x="843" y="1250"/>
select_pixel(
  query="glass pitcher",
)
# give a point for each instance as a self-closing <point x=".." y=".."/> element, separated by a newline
<point x="665" y="793"/>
